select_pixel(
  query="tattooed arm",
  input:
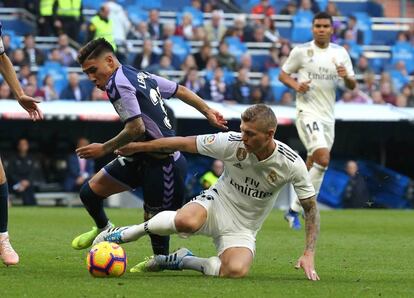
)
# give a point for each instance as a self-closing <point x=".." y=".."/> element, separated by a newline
<point x="132" y="131"/>
<point x="312" y="224"/>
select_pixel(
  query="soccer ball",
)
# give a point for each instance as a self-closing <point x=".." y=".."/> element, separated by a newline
<point x="106" y="259"/>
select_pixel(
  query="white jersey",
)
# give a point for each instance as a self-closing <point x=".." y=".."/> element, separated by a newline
<point x="249" y="187"/>
<point x="318" y="65"/>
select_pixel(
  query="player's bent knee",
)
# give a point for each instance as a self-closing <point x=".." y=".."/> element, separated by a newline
<point x="234" y="270"/>
<point x="186" y="223"/>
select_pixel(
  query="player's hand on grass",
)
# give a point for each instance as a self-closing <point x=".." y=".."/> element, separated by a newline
<point x="216" y="119"/>
<point x="306" y="262"/>
<point x="94" y="150"/>
<point x="127" y="150"/>
<point x="30" y="105"/>
<point x="303" y="87"/>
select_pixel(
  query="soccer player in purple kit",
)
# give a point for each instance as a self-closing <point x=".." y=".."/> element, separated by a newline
<point x="7" y="254"/>
<point x="137" y="96"/>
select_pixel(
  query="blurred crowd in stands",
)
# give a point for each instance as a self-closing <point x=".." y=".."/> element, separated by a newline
<point x="215" y="68"/>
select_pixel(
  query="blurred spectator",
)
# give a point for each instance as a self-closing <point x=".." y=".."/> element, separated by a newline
<point x="241" y="29"/>
<point x="215" y="29"/>
<point x="167" y="50"/>
<point x="120" y="22"/>
<point x="79" y="170"/>
<point x="354" y="96"/>
<point x="18" y="58"/>
<point x="271" y="33"/>
<point x="369" y="83"/>
<point x="308" y="5"/>
<point x="212" y="64"/>
<point x="54" y="56"/>
<point x="32" y="91"/>
<point x="98" y="95"/>
<point x="31" y="53"/>
<point x="263" y="8"/>
<point x="356" y="194"/>
<point x="7" y="44"/>
<point x="240" y="90"/>
<point x="210" y="178"/>
<point x="49" y="89"/>
<point x="287" y="99"/>
<point x="408" y="92"/>
<point x="155" y="28"/>
<point x="289" y="9"/>
<point x="199" y="34"/>
<point x="377" y="97"/>
<point x="67" y="53"/>
<point x="139" y="31"/>
<point x="188" y="63"/>
<point x="224" y="58"/>
<point x="192" y="81"/>
<point x="5" y="92"/>
<point x="74" y="91"/>
<point x="168" y="31"/>
<point x="203" y="55"/>
<point x="147" y="57"/>
<point x="387" y="93"/>
<point x="186" y="28"/>
<point x="401" y="101"/>
<point x="20" y="173"/>
<point x="272" y="60"/>
<point x="163" y="64"/>
<point x="332" y="9"/>
<point x="352" y="28"/>
<point x="45" y="26"/>
<point x="247" y="63"/>
<point x="24" y="74"/>
<point x="215" y="89"/>
<point x="256" y="96"/>
<point x="101" y="26"/>
<point x="69" y="17"/>
<point x="259" y="35"/>
<point x="362" y="66"/>
<point x="266" y="90"/>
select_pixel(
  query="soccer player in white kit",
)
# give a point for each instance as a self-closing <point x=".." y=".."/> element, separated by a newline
<point x="320" y="66"/>
<point x="232" y="211"/>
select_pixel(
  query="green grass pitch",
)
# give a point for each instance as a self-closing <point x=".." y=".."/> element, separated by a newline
<point x="366" y="253"/>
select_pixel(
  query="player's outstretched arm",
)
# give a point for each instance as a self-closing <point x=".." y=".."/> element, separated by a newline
<point x="312" y="224"/>
<point x="133" y="130"/>
<point x="28" y="103"/>
<point x="189" y="97"/>
<point x="187" y="144"/>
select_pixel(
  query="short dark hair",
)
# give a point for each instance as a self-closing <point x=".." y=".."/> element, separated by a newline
<point x="94" y="49"/>
<point x="322" y="15"/>
<point x="262" y="113"/>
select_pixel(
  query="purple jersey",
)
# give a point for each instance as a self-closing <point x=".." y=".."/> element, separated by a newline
<point x="135" y="93"/>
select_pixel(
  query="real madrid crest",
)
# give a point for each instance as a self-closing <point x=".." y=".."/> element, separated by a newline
<point x="271" y="178"/>
<point x="209" y="139"/>
<point x="241" y="154"/>
<point x="310" y="53"/>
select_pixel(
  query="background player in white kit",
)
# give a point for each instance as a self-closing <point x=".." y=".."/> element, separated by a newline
<point x="233" y="210"/>
<point x="320" y="66"/>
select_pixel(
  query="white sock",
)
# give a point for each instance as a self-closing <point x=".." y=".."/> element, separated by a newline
<point x="161" y="224"/>
<point x="4" y="235"/>
<point x="210" y="266"/>
<point x="294" y="200"/>
<point x="316" y="173"/>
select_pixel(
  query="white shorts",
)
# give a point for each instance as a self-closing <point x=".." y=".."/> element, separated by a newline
<point x="314" y="133"/>
<point x="220" y="226"/>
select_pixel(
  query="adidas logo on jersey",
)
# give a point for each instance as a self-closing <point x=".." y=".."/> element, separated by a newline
<point x="238" y="165"/>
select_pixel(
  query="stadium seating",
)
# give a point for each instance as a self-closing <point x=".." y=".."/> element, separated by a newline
<point x="333" y="188"/>
<point x="403" y="51"/>
<point x="57" y="71"/>
<point x="236" y="47"/>
<point x="278" y="87"/>
<point x="365" y="25"/>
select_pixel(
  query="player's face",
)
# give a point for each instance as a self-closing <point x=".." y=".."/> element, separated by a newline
<point x="322" y="30"/>
<point x="255" y="139"/>
<point x="99" y="70"/>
